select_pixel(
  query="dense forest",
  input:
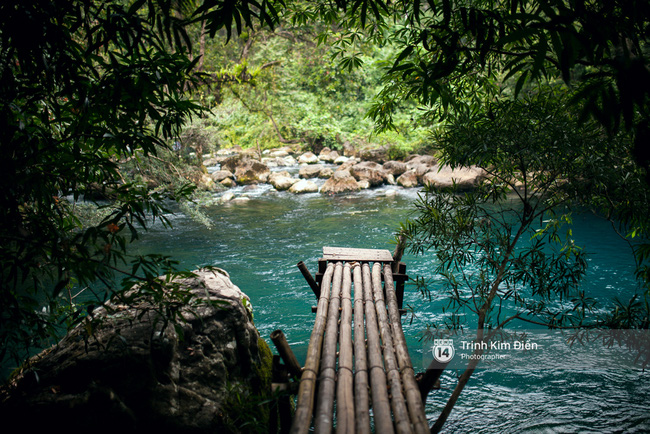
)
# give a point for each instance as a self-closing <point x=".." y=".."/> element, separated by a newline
<point x="107" y="108"/>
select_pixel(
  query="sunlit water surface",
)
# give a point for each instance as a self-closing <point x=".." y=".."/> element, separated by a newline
<point x="259" y="243"/>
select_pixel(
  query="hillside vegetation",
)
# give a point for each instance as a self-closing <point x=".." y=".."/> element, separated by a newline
<point x="272" y="88"/>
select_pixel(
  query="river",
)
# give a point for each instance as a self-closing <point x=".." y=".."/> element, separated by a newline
<point x="260" y="241"/>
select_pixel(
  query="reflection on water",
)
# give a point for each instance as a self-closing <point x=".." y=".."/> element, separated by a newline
<point x="259" y="243"/>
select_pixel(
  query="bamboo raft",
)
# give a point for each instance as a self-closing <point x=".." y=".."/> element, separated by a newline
<point x="358" y="371"/>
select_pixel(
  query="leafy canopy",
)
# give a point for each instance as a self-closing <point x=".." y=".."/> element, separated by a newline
<point x="84" y="87"/>
<point x="505" y="251"/>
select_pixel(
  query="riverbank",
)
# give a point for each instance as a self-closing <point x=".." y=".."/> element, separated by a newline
<point x="329" y="172"/>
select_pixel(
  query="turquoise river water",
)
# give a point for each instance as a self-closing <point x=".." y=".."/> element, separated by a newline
<point x="259" y="243"/>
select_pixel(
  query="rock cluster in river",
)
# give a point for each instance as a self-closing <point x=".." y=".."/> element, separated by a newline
<point x="349" y="173"/>
<point x="131" y="371"/>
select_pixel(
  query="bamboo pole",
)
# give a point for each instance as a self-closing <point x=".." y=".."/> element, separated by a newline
<point x="399" y="251"/>
<point x="304" y="408"/>
<point x="428" y="380"/>
<point x="344" y="384"/>
<point x="280" y="341"/>
<point x="380" y="404"/>
<point x="411" y="390"/>
<point x="280" y="420"/>
<point x="324" y="415"/>
<point x="309" y="278"/>
<point x="361" y="387"/>
<point x="400" y="412"/>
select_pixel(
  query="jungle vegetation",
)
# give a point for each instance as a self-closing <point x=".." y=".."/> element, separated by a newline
<point x="95" y="96"/>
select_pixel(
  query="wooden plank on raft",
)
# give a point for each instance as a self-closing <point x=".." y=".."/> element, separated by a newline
<point x="361" y="386"/>
<point x="303" y="415"/>
<point x="361" y="255"/>
<point x="345" y="381"/>
<point x="324" y="415"/>
<point x="378" y="386"/>
<point x="411" y="390"/>
<point x="398" y="404"/>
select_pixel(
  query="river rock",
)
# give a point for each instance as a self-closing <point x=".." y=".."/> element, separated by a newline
<point x="211" y="161"/>
<point x="205" y="182"/>
<point x="363" y="184"/>
<point x="304" y="186"/>
<point x="308" y="158"/>
<point x="310" y="170"/>
<point x="228" y="182"/>
<point x="282" y="180"/>
<point x="341" y="160"/>
<point x="341" y="181"/>
<point x="324" y="153"/>
<point x="325" y="173"/>
<point x="287" y="161"/>
<point x="348" y="149"/>
<point x="395" y="168"/>
<point x="248" y="171"/>
<point x="227" y="152"/>
<point x="220" y="175"/>
<point x="378" y="155"/>
<point x="392" y="193"/>
<point x="130" y="371"/>
<point x="276" y="153"/>
<point x="416" y="160"/>
<point x="328" y="155"/>
<point x="422" y="164"/>
<point x="465" y="178"/>
<point x="227" y="197"/>
<point x="369" y="171"/>
<point x="408" y="179"/>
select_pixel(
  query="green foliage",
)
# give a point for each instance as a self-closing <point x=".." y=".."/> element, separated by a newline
<point x="296" y="91"/>
<point x="452" y="55"/>
<point x="489" y="247"/>
<point x="245" y="411"/>
<point x="505" y="251"/>
<point x="90" y="86"/>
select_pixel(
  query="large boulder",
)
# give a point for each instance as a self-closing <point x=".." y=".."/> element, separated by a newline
<point x="227" y="152"/>
<point x="308" y="158"/>
<point x="378" y="155"/>
<point x="348" y="149"/>
<point x="251" y="172"/>
<point x="465" y="178"/>
<point x="408" y="179"/>
<point x="282" y="180"/>
<point x="416" y="160"/>
<point x="422" y="164"/>
<point x="328" y="155"/>
<point x="280" y="161"/>
<point x="220" y="175"/>
<point x="395" y="168"/>
<point x="341" y="181"/>
<point x="130" y="370"/>
<point x="369" y="171"/>
<point x="325" y="173"/>
<point x="310" y="170"/>
<point x="341" y="160"/>
<point x="304" y="186"/>
<point x="276" y="153"/>
<point x="247" y="170"/>
<point x="228" y="182"/>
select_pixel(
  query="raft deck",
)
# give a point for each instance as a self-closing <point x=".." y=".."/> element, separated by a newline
<point x="357" y="366"/>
